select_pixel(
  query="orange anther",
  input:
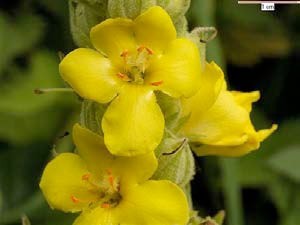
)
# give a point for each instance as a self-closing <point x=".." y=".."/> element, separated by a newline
<point x="105" y="205"/>
<point x="74" y="199"/>
<point x="124" y="53"/>
<point x="86" y="176"/>
<point x="157" y="83"/>
<point x="150" y="51"/>
<point x="141" y="48"/>
<point x="123" y="76"/>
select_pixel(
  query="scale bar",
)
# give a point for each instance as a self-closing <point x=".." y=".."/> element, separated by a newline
<point x="275" y="2"/>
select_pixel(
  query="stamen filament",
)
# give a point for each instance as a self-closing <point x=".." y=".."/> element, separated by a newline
<point x="86" y="177"/>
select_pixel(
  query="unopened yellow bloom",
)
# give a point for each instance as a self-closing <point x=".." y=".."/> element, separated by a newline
<point x="219" y="122"/>
<point x="111" y="190"/>
<point x="133" y="59"/>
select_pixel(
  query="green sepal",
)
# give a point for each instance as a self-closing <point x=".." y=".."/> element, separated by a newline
<point x="171" y="109"/>
<point x="128" y="8"/>
<point x="132" y="8"/>
<point x="182" y="27"/>
<point x="188" y="193"/>
<point x="91" y="116"/>
<point x="83" y="16"/>
<point x="175" y="161"/>
<point x="218" y="219"/>
<point x="201" y="36"/>
<point x="25" y="220"/>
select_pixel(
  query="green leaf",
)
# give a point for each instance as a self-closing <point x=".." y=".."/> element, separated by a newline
<point x="19" y="178"/>
<point x="270" y="166"/>
<point x="292" y="217"/>
<point x="15" y="38"/>
<point x="17" y="94"/>
<point x="254" y="170"/>
<point x="23" y="113"/>
<point x="287" y="162"/>
<point x="20" y="130"/>
<point x="281" y="191"/>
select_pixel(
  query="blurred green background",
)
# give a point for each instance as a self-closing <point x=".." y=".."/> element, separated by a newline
<point x="259" y="50"/>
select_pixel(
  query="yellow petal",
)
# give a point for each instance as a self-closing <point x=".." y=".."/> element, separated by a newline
<point x="223" y="128"/>
<point x="245" y="99"/>
<point x="62" y="180"/>
<point x="154" y="28"/>
<point x="135" y="169"/>
<point x="178" y="69"/>
<point x="211" y="84"/>
<point x="90" y="74"/>
<point x="222" y="124"/>
<point x="97" y="216"/>
<point x="113" y="36"/>
<point x="133" y="123"/>
<point x="253" y="143"/>
<point x="154" y="202"/>
<point x="91" y="148"/>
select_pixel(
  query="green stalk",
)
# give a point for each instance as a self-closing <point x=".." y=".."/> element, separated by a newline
<point x="232" y="191"/>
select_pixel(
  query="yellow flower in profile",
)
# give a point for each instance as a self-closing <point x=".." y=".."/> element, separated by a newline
<point x="111" y="190"/>
<point x="219" y="120"/>
<point x="133" y="59"/>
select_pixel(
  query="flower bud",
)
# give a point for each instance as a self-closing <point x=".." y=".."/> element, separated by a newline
<point x="175" y="162"/>
<point x="84" y="14"/>
<point x="91" y="116"/>
<point x="132" y="8"/>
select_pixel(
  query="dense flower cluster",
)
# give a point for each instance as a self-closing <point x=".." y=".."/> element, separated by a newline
<point x="108" y="179"/>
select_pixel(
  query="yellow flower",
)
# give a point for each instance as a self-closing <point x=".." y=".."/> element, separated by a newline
<point x="133" y="59"/>
<point x="219" y="122"/>
<point x="111" y="190"/>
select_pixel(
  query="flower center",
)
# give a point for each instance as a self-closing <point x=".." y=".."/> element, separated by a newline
<point x="135" y="65"/>
<point x="107" y="191"/>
